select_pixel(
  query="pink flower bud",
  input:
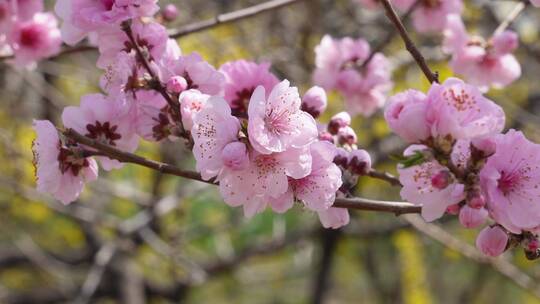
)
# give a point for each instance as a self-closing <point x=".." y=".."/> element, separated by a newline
<point x="441" y="180"/>
<point x="472" y="218"/>
<point x="235" y="156"/>
<point x="476" y="201"/>
<point x="338" y="121"/>
<point x="486" y="145"/>
<point x="326" y="136"/>
<point x="347" y="136"/>
<point x="359" y="162"/>
<point x="170" y="13"/>
<point x="177" y="84"/>
<point x="492" y="241"/>
<point x="314" y="101"/>
<point x="406" y="116"/>
<point x="341" y="158"/>
<point x="505" y="43"/>
<point x="453" y="209"/>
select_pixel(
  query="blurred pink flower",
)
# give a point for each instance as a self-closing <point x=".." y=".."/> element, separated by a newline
<point x="84" y="16"/>
<point x="34" y="39"/>
<point x="241" y="79"/>
<point x="482" y="63"/>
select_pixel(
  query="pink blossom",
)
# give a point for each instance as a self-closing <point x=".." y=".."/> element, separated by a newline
<point x="511" y="182"/>
<point x="277" y="123"/>
<point x="317" y="190"/>
<point x="60" y="170"/>
<point x="419" y="189"/>
<point x="17" y="10"/>
<point x="334" y="217"/>
<point x="191" y="102"/>
<point x="431" y="16"/>
<point x="536" y="3"/>
<point x="406" y="116"/>
<point x="241" y="79"/>
<point x="461" y="111"/>
<point x="154" y="118"/>
<point x="314" y="101"/>
<point x="340" y="65"/>
<point x="213" y="128"/>
<point x="347" y="136"/>
<point x="151" y="37"/>
<point x="492" y="241"/>
<point x="199" y="74"/>
<point x="84" y="16"/>
<point x="471" y="217"/>
<point x="35" y="39"/>
<point x="265" y="179"/>
<point x="107" y="120"/>
<point x="482" y="63"/>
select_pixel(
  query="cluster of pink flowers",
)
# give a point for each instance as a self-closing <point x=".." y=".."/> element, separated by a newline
<point x="347" y="65"/>
<point x="251" y="132"/>
<point x="482" y="63"/>
<point x="27" y="32"/>
<point x="257" y="137"/>
<point x="459" y="162"/>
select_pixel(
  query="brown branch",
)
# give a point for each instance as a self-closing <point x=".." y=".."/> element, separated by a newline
<point x="385" y="176"/>
<point x="247" y="12"/>
<point x="195" y="27"/>
<point x="409" y="44"/>
<point x="357" y="203"/>
<point x="389" y="36"/>
<point x="132" y="158"/>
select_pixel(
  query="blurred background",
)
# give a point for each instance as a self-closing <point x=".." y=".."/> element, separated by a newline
<point x="136" y="236"/>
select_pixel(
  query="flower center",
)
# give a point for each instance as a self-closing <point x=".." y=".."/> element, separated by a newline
<point x="30" y="36"/>
<point x="68" y="161"/>
<point x="105" y="133"/>
<point x="278" y="123"/>
<point x="240" y="104"/>
<point x="509" y="182"/>
<point x="461" y="100"/>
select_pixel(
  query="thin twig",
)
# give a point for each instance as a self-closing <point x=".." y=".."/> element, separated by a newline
<point x="195" y="27"/>
<point x="510" y="18"/>
<point x="385" y="176"/>
<point x="95" y="275"/>
<point x="409" y="44"/>
<point x="499" y="264"/>
<point x="359" y="203"/>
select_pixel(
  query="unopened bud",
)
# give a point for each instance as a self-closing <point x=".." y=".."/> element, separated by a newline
<point x="476" y="201"/>
<point x="453" y="209"/>
<point x="472" y="218"/>
<point x="347" y="136"/>
<point x="235" y="156"/>
<point x="338" y="121"/>
<point x="177" y="84"/>
<point x="170" y="13"/>
<point x="314" y="101"/>
<point x="359" y="162"/>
